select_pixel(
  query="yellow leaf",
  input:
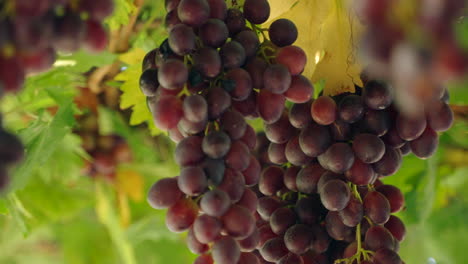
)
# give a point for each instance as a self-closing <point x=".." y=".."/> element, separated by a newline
<point x="328" y="33"/>
<point x="130" y="183"/>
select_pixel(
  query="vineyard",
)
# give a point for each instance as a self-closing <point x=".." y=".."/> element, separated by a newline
<point x="233" y="131"/>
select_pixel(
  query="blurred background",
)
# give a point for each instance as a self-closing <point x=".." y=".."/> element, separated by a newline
<point x="80" y="194"/>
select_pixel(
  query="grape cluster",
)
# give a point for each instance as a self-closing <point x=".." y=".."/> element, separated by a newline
<point x="305" y="191"/>
<point x="106" y="151"/>
<point x="320" y="193"/>
<point x="414" y="44"/>
<point x="32" y="32"/>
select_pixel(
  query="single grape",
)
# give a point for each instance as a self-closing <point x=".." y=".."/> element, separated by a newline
<point x="293" y="57"/>
<point x="271" y="180"/>
<point x="378" y="237"/>
<point x="368" y="148"/>
<point x="377" y="95"/>
<point x="282" y="32"/>
<point x="226" y="251"/>
<point x="182" y="39"/>
<point x="376" y="207"/>
<point x="394" y="196"/>
<point x="439" y="116"/>
<point x="218" y="102"/>
<point x="167" y="112"/>
<point x="338" y="158"/>
<point x="299" y="115"/>
<point x="195" y="108"/>
<point x="389" y="163"/>
<point x="256" y="11"/>
<point x="280" y="131"/>
<point x="324" y="110"/>
<point x="294" y="153"/>
<point x="238" y="222"/>
<point x="425" y="145"/>
<point x="215" y="203"/>
<point x="173" y="74"/>
<point x="276" y="153"/>
<point x="360" y="173"/>
<point x="300" y="90"/>
<point x="189" y="151"/>
<point x="249" y="40"/>
<point x="335" y="195"/>
<point x="238" y="157"/>
<point x="181" y="215"/>
<point x="249" y="201"/>
<point x="351" y="108"/>
<point x="164" y="193"/>
<point x="149" y="82"/>
<point x="242" y="83"/>
<point x="214" y="170"/>
<point x="298" y="238"/>
<point x="314" y="140"/>
<point x="410" y="127"/>
<point x="206" y="228"/>
<point x="218" y="9"/>
<point x="377" y="122"/>
<point x="282" y="219"/>
<point x="327" y="176"/>
<point x="213" y="33"/>
<point x="270" y="106"/>
<point x="274" y="249"/>
<point x="232" y="55"/>
<point x="276" y="78"/>
<point x="192" y="181"/>
<point x="308" y="177"/>
<point x="353" y="213"/>
<point x="207" y="61"/>
<point x="233" y="184"/>
<point x="193" y="12"/>
<point x="235" y="21"/>
<point x="396" y="227"/>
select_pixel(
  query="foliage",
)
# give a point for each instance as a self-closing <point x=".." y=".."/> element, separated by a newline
<point x="328" y="34"/>
<point x="55" y="214"/>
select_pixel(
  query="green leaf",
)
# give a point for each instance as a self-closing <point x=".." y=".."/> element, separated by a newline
<point x="121" y="14"/>
<point x="41" y="139"/>
<point x="3" y="207"/>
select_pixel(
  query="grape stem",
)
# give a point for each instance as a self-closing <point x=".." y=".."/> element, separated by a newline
<point x="361" y="253"/>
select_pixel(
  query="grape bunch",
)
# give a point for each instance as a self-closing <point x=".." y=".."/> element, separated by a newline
<point x="320" y="195"/>
<point x="32" y="32"/>
<point x="107" y="151"/>
<point x="308" y="189"/>
<point x="414" y="44"/>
